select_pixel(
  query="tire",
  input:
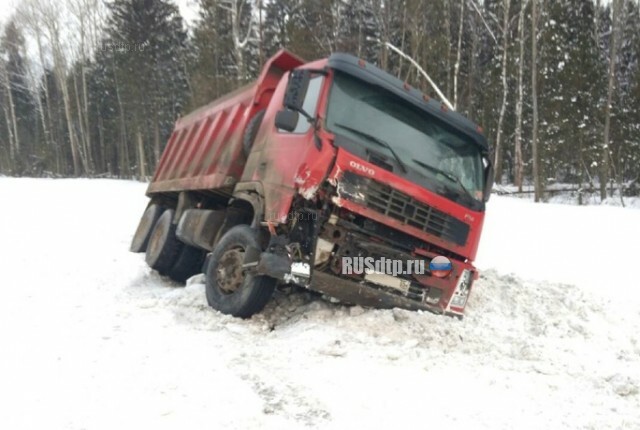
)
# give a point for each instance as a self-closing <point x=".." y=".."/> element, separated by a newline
<point x="145" y="226"/>
<point x="236" y="294"/>
<point x="251" y="132"/>
<point x="188" y="263"/>
<point x="164" y="247"/>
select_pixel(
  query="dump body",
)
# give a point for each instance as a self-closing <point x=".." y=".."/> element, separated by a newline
<point x="205" y="148"/>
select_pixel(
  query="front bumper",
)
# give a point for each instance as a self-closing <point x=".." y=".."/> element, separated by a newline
<point x="446" y="295"/>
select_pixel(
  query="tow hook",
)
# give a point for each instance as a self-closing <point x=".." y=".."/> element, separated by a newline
<point x="276" y="266"/>
<point x="300" y="273"/>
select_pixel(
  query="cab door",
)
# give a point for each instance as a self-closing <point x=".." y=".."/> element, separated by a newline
<point x="292" y="162"/>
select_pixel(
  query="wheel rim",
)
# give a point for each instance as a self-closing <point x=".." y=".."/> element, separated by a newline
<point x="229" y="272"/>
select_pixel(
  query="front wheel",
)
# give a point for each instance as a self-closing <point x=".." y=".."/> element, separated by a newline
<point x="229" y="289"/>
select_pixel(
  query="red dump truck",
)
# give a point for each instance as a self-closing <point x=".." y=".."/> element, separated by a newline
<point x="313" y="167"/>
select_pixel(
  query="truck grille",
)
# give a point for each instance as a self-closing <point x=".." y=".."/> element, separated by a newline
<point x="402" y="207"/>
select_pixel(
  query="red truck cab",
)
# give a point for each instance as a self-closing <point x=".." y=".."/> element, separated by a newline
<point x="311" y="167"/>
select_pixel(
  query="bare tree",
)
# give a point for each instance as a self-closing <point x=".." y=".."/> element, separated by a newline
<point x="87" y="14"/>
<point x="423" y="73"/>
<point x="240" y="40"/>
<point x="28" y="18"/>
<point x="477" y="9"/>
<point x="505" y="90"/>
<point x="47" y="15"/>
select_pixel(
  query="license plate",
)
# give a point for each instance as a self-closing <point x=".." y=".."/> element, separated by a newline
<point x="388" y="281"/>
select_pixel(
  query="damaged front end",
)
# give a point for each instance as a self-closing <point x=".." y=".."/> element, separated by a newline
<point x="338" y="222"/>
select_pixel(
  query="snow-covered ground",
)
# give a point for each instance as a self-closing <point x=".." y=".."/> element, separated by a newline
<point x="92" y="339"/>
<point x="560" y="193"/>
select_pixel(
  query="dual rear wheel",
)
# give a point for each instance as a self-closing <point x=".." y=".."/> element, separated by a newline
<point x="229" y="288"/>
<point x="164" y="252"/>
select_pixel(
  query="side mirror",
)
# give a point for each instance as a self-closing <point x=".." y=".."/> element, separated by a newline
<point x="287" y="120"/>
<point x="488" y="180"/>
<point x="297" y="89"/>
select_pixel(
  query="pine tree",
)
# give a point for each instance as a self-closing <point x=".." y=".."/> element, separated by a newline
<point x="149" y="48"/>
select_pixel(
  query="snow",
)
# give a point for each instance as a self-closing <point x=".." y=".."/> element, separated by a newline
<point x="93" y="339"/>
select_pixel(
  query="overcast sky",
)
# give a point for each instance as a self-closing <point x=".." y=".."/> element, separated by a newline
<point x="188" y="8"/>
<point x="6" y="7"/>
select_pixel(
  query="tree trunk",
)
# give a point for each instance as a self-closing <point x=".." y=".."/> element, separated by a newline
<point x="537" y="183"/>
<point x="47" y="128"/>
<point x="12" y="124"/>
<point x="61" y="76"/>
<point x="12" y="157"/>
<point x="84" y="148"/>
<point x="458" y="56"/>
<point x="141" y="156"/>
<point x="68" y="115"/>
<point x="87" y="126"/>
<point x="606" y="153"/>
<point x="123" y="151"/>
<point x="505" y="91"/>
<point x="156" y="142"/>
<point x="519" y="164"/>
<point x="473" y="55"/>
<point x="239" y="42"/>
<point x="447" y="29"/>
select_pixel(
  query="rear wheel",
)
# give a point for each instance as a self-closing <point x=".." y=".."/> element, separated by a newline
<point x="143" y="232"/>
<point x="229" y="289"/>
<point x="188" y="263"/>
<point x="164" y="247"/>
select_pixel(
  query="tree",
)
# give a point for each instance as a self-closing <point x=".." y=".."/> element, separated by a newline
<point x="147" y="39"/>
<point x="241" y="16"/>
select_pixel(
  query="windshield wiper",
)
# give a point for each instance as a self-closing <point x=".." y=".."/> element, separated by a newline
<point x="447" y="175"/>
<point x="375" y="140"/>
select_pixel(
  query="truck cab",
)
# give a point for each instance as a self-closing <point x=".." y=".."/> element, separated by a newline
<point x="316" y="167"/>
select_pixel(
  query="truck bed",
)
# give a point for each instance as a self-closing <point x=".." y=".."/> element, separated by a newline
<point x="204" y="150"/>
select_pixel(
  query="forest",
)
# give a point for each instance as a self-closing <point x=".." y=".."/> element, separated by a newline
<point x="92" y="88"/>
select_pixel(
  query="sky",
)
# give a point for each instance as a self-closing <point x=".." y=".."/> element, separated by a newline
<point x="6" y="8"/>
<point x="188" y="9"/>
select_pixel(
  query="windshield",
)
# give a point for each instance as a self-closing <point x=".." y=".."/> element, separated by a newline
<point x="378" y="118"/>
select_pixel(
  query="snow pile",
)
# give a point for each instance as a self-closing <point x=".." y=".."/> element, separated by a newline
<point x="94" y="339"/>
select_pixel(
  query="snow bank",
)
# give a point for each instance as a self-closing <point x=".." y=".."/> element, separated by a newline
<point x="593" y="247"/>
<point x="93" y="339"/>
